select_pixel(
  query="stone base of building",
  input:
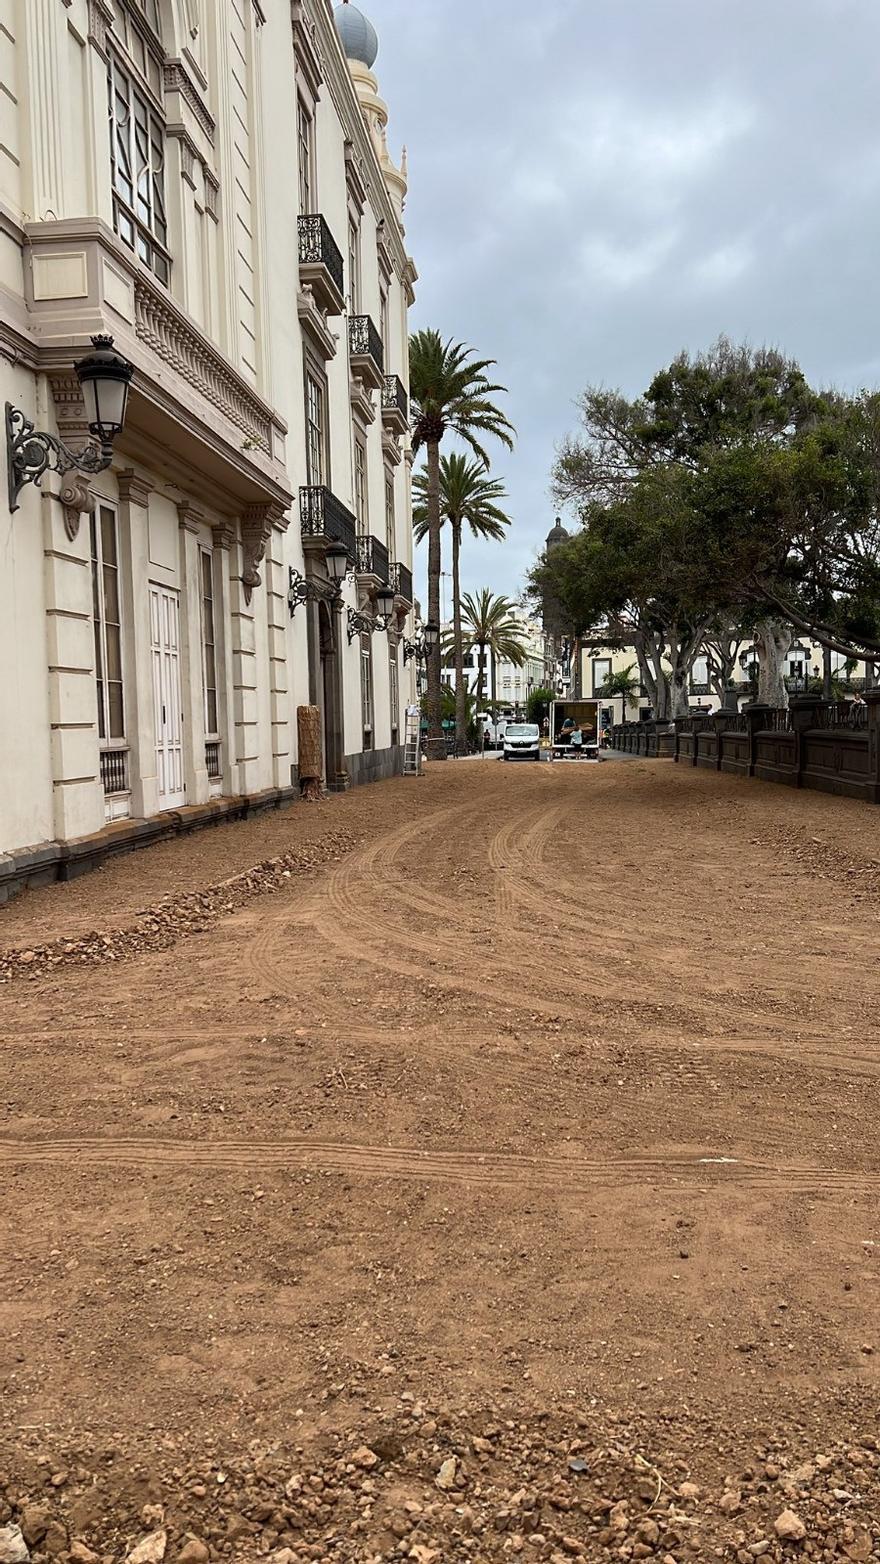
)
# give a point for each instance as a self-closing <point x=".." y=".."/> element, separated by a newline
<point x="30" y="867"/>
<point x="375" y="765"/>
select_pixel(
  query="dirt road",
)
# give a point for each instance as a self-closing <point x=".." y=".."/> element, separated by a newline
<point x="537" y="1107"/>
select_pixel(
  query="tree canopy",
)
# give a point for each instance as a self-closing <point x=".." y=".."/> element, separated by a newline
<point x="730" y="496"/>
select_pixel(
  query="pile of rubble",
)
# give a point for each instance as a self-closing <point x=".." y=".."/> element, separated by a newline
<point x="176" y="917"/>
<point x="416" y="1484"/>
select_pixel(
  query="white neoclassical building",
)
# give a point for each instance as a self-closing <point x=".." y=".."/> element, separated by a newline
<point x="209" y="183"/>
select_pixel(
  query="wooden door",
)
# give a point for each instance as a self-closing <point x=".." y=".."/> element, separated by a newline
<point x="167" y="698"/>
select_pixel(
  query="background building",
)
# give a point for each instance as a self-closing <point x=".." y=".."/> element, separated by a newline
<point x="212" y="186"/>
<point x="512" y="683"/>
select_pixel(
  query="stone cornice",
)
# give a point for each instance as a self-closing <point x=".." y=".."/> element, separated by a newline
<point x="347" y="104"/>
<point x="178" y="79"/>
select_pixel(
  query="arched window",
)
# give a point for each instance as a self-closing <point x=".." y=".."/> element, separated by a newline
<point x="137" y="132"/>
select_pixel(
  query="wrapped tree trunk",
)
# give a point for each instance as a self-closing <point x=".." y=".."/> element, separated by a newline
<point x="308" y="728"/>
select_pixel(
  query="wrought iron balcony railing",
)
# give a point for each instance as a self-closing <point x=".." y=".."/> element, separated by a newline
<point x="394" y="397"/>
<point x="322" y="515"/>
<point x="372" y="557"/>
<point x="317" y="247"/>
<point x="364" y="340"/>
<point x="400" y="578"/>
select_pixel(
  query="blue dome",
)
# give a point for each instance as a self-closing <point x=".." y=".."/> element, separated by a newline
<point x="357" y="35"/>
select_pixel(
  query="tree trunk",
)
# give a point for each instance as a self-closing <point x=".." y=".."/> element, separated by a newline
<point x="309" y="764"/>
<point x="460" y="699"/>
<point x="679" y="703"/>
<point x="492" y="676"/>
<point x="772" y="641"/>
<point x="827" y="676"/>
<point x="481" y="676"/>
<point x="432" y="699"/>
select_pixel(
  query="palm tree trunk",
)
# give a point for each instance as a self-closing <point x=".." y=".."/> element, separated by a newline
<point x="460" y="701"/>
<point x="481" y="675"/>
<point x="493" y="678"/>
<point x="435" y="725"/>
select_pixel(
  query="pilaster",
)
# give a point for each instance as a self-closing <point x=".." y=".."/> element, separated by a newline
<point x="140" y="720"/>
<point x="191" y="671"/>
<point x="279" y="692"/>
<point x="243" y="629"/>
<point x="77" y="794"/>
<point x="225" y="552"/>
<point x="43" y="21"/>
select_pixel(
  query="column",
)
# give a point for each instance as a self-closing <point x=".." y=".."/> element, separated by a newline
<point x="279" y="684"/>
<point x="224" y="540"/>
<point x="43" y="22"/>
<point x="140" y="716"/>
<point x="191" y="671"/>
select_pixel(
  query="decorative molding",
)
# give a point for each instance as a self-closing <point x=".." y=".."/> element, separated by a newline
<point x="259" y="14"/>
<point x="70" y="412"/>
<point x="189" y="517"/>
<point x="315" y="323"/>
<point x="160" y="325"/>
<point x="223" y="534"/>
<point x="308" y="57"/>
<point x="212" y="191"/>
<point x="189" y="152"/>
<point x="361" y="400"/>
<point x="256" y="528"/>
<point x="178" y="79"/>
<point x="77" y="501"/>
<point x="133" y="489"/>
<point x="391" y="448"/>
<point x="100" y="22"/>
<point x="356" y="176"/>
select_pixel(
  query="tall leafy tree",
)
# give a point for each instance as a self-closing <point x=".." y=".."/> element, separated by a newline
<point x="468" y="498"/>
<point x="451" y="394"/>
<point x="488" y="623"/>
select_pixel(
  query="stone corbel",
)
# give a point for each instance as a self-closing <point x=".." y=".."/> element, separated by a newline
<point x="76" y="501"/>
<point x="100" y="22"/>
<point x="190" y="519"/>
<point x="256" y="528"/>
<point x="223" y="535"/>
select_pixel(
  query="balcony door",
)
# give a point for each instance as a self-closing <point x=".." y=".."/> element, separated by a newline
<point x="167" y="696"/>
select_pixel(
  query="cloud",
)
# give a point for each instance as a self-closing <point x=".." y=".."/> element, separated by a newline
<point x="595" y="187"/>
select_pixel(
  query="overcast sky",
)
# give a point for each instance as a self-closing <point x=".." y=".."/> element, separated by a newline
<point x="594" y="186"/>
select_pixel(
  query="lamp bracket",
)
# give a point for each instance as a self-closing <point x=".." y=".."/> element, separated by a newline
<point x="303" y="589"/>
<point x="31" y="452"/>
<point x="359" y="624"/>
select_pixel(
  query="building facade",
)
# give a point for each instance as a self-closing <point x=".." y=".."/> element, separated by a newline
<point x="211" y="185"/>
<point x="509" y="684"/>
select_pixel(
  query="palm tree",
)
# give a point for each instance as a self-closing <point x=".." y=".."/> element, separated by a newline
<point x="467" y="495"/>
<point x="623" y="683"/>
<point x="488" y="624"/>
<point x="450" y="393"/>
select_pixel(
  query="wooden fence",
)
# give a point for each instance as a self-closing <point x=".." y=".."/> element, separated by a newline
<point x="833" y="747"/>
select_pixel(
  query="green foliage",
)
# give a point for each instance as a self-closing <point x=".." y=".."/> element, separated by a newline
<point x="468" y="496"/>
<point x="451" y="392"/>
<point x="538" y="704"/>
<point x="624" y="683"/>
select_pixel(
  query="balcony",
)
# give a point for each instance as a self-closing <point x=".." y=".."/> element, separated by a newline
<point x="366" y="354"/>
<point x="321" y="271"/>
<point x="400" y="578"/>
<point x="372" y="559"/>
<point x="395" y="405"/>
<point x="323" y="516"/>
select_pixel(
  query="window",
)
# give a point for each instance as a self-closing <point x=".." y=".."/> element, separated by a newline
<point x="316" y="430"/>
<point x="389" y="515"/>
<point x="209" y="657"/>
<point x="304" y="153"/>
<point x="367" y="690"/>
<point x="137" y="134"/>
<point x="601" y="673"/>
<point x="361" y="508"/>
<point x="107" y="626"/>
<point x="394" y="686"/>
<point x="354" y="267"/>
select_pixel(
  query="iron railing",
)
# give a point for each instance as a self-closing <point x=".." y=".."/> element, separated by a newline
<point x="322" y="515"/>
<point x="212" y="759"/>
<point x="372" y="557"/>
<point x="780" y="720"/>
<point x="400" y="579"/>
<point x="114" y="771"/>
<point x="737" y="722"/>
<point x="364" y="340"/>
<point x="840" y="714"/>
<point x="394" y="397"/>
<point x="317" y="247"/>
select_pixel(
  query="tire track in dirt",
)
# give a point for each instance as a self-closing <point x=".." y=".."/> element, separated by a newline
<point x="489" y="1167"/>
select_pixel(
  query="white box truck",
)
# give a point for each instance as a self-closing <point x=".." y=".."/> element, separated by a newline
<point x="565" y="716"/>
